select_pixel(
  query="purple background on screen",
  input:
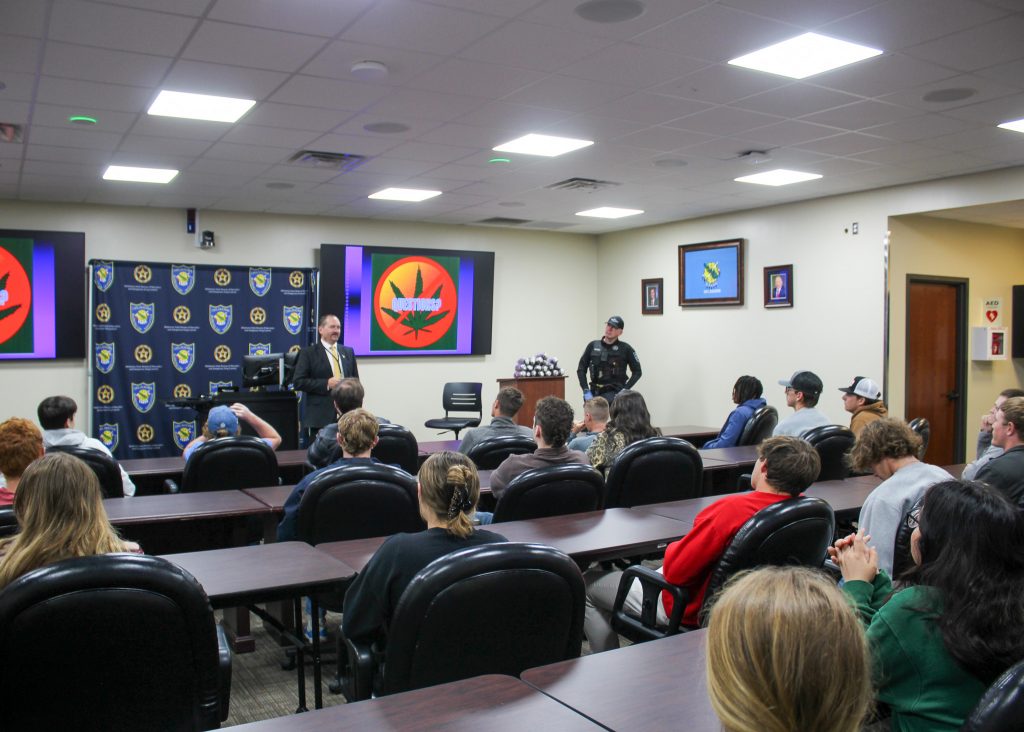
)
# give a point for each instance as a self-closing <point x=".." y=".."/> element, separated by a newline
<point x="43" y="309"/>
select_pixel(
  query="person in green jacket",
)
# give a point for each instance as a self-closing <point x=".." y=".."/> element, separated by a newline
<point x="954" y="626"/>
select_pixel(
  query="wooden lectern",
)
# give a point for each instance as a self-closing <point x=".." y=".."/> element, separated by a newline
<point x="534" y="388"/>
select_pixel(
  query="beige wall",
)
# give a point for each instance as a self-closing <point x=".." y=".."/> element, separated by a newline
<point x="992" y="259"/>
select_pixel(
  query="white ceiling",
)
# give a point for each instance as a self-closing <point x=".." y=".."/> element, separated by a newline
<point x="467" y="75"/>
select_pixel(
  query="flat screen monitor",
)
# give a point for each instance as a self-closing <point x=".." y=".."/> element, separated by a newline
<point x="265" y="370"/>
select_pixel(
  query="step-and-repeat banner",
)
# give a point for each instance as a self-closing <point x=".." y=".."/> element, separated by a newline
<point x="173" y="331"/>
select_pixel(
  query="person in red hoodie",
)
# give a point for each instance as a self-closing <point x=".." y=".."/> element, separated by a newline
<point x="785" y="467"/>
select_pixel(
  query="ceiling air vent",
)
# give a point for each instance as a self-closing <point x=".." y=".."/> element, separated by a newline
<point x="503" y="221"/>
<point x="328" y="160"/>
<point x="587" y="185"/>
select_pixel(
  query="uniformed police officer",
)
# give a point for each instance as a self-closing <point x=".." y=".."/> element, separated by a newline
<point x="606" y="359"/>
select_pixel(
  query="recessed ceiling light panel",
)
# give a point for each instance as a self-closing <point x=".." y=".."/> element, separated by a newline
<point x="200" y="106"/>
<point x="610" y="212"/>
<point x="546" y="145"/>
<point x="139" y="175"/>
<point x="1016" y="125"/>
<point x="403" y="194"/>
<point x="777" y="177"/>
<point x="805" y="56"/>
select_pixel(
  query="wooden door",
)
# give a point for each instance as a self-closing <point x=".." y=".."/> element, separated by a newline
<point x="936" y="318"/>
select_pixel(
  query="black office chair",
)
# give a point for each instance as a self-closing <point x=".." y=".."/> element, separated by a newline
<point x="397" y="446"/>
<point x="490" y="453"/>
<point x="111" y="642"/>
<point x="923" y="429"/>
<point x="759" y="426"/>
<point x="832" y="443"/>
<point x="492" y="609"/>
<point x="654" y="470"/>
<point x="227" y="463"/>
<point x="901" y="557"/>
<point x="795" y="531"/>
<point x="8" y="522"/>
<point x="459" y="396"/>
<point x="1001" y="707"/>
<point x="105" y="467"/>
<point x="551" y="491"/>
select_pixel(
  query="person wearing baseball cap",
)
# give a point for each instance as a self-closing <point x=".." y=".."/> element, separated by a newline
<point x="223" y="422"/>
<point x="863" y="399"/>
<point x="607" y="360"/>
<point x="803" y="389"/>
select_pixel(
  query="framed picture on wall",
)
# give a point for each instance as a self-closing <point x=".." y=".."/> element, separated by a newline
<point x="778" y="286"/>
<point x="711" y="273"/>
<point x="651" y="296"/>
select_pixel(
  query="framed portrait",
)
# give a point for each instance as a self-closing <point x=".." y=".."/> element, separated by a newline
<point x="711" y="273"/>
<point x="778" y="286"/>
<point x="651" y="296"/>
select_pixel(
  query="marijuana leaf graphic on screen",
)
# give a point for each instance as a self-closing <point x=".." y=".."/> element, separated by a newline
<point x="417" y="313"/>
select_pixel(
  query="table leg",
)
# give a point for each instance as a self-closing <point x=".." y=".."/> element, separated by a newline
<point x="318" y="692"/>
<point x="300" y="658"/>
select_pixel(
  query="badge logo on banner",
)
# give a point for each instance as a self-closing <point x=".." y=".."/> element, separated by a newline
<point x="183" y="356"/>
<point x="258" y="316"/>
<point x="182" y="315"/>
<point x="105" y="356"/>
<point x="220" y="318"/>
<point x="295" y="349"/>
<point x="183" y="278"/>
<point x="108" y="436"/>
<point x="222" y="277"/>
<point x="259" y="349"/>
<point x="184" y="432"/>
<point x="216" y="385"/>
<point x="222" y="354"/>
<point x="182" y="391"/>
<point x="293" y="318"/>
<point x="259" y="280"/>
<point x="105" y="394"/>
<point x="143" y="353"/>
<point x="144" y="396"/>
<point x="143" y="274"/>
<point x="144" y="433"/>
<point x="142" y="315"/>
<point x="296" y="279"/>
<point x="103" y="275"/>
<point x="103" y="313"/>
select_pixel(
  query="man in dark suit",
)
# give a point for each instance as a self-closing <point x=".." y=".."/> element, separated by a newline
<point x="319" y="369"/>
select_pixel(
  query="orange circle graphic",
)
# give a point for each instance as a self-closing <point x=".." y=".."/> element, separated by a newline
<point x="418" y="324"/>
<point x="18" y="291"/>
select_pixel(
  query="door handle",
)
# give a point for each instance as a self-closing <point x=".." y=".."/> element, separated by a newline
<point x="952" y="395"/>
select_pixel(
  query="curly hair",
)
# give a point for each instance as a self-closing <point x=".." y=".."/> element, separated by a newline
<point x="881" y="439"/>
<point x="747" y="388"/>
<point x="554" y="417"/>
<point x="357" y="431"/>
<point x="630" y="418"/>
<point x="21" y="442"/>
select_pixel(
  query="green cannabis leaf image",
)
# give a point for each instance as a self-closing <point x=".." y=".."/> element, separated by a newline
<point x="415" y="320"/>
<point x="4" y="312"/>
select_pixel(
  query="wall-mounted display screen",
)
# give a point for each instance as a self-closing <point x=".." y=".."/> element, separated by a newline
<point x="409" y="302"/>
<point x="42" y="294"/>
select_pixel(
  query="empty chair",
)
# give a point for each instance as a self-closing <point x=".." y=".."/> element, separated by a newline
<point x="105" y="467"/>
<point x="224" y="463"/>
<point x="397" y="446"/>
<point x="796" y="531"/>
<point x="1001" y="707"/>
<point x="459" y="396"/>
<point x="551" y="491"/>
<point x="134" y="643"/>
<point x="832" y="443"/>
<point x="923" y="429"/>
<point x="493" y="609"/>
<point x="654" y="470"/>
<point x="759" y="426"/>
<point x="490" y="453"/>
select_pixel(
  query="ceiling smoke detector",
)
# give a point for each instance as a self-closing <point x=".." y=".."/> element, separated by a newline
<point x="369" y="70"/>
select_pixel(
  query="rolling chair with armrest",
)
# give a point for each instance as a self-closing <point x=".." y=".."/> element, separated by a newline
<point x="902" y="560"/>
<point x="1001" y="707"/>
<point x="137" y="645"/>
<point x="493" y="609"/>
<point x="551" y="491"/>
<point x="795" y="531"/>
<point x="105" y="467"/>
<point x="832" y="443"/>
<point x="923" y="429"/>
<point x="397" y="446"/>
<point x="759" y="426"/>
<point x="654" y="470"/>
<point x="8" y="522"/>
<point x="490" y="453"/>
<point x="226" y="463"/>
<point x="459" y="396"/>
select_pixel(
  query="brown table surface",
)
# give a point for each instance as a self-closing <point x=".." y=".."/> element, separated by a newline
<point x="690" y="432"/>
<point x="590" y="536"/>
<point x="486" y="703"/>
<point x="652" y="686"/>
<point x="171" y="466"/>
<point x="735" y="455"/>
<point x="181" y="507"/>
<point x="429" y="448"/>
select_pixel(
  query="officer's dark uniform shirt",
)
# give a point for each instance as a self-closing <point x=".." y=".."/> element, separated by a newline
<point x="607" y="365"/>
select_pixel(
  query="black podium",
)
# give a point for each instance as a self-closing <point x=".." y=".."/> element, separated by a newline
<point x="279" y="408"/>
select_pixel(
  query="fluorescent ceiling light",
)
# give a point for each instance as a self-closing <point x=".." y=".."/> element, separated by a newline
<point x="805" y="56"/>
<point x="546" y="145"/>
<point x="610" y="212"/>
<point x="139" y="175"/>
<point x="1016" y="125"/>
<point x="778" y="177"/>
<point x="200" y="106"/>
<point x="404" y="194"/>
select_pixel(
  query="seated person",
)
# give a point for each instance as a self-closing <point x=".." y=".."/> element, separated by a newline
<point x="803" y="389"/>
<point x="503" y="412"/>
<point x="347" y="395"/>
<point x="1006" y="472"/>
<point x="223" y="422"/>
<point x="785" y="467"/>
<point x="954" y="625"/>
<point x="986" y="450"/>
<point x="448" y="492"/>
<point x="888" y="448"/>
<point x="60" y="511"/>
<point x="747" y="395"/>
<point x="57" y="416"/>
<point x="21" y="442"/>
<point x="356" y="435"/>
<point x="863" y="400"/>
<point x="765" y="664"/>
<point x="595" y="419"/>
<point x="630" y="421"/>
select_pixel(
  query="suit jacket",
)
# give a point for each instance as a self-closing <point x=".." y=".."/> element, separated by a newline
<point x="312" y="371"/>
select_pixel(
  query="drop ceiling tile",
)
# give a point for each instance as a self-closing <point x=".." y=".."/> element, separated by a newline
<point x="561" y="92"/>
<point x="18" y="87"/>
<point x="312" y="91"/>
<point x="501" y="116"/>
<point x="398" y="167"/>
<point x="1011" y="151"/>
<point x="81" y="156"/>
<point x="356" y="124"/>
<point x="75" y="137"/>
<point x="649" y="108"/>
<point x="425" y="105"/>
<point x="293" y="116"/>
<point x="354" y="144"/>
<point x="913" y="129"/>
<point x="721" y="84"/>
<point x="1010" y="74"/>
<point x="273" y="136"/>
<point x="856" y="116"/>
<point x="453" y="133"/>
<point x="430" y="152"/>
<point x="804" y="13"/>
<point x="664" y="138"/>
<point x="19" y="54"/>
<point x="656" y="12"/>
<point x="994" y="43"/>
<point x="896" y="155"/>
<point x="418" y="27"/>
<point x="199" y="77"/>
<point x="795" y="100"/>
<point x="882" y="74"/>
<point x="185" y="129"/>
<point x="992" y="112"/>
<point x="849" y="143"/>
<point x="585" y="127"/>
<point x="972" y="139"/>
<point x="251" y="153"/>
<point x="94" y="95"/>
<point x="474" y="78"/>
<point x="63" y="169"/>
<point x="504" y="8"/>
<point x="145" y="144"/>
<point x="225" y="43"/>
<point x="12" y="150"/>
<point x="24" y="17"/>
<point x="719" y="148"/>
<point x="296" y="172"/>
<point x="790" y="132"/>
<point x="337" y="58"/>
<point x="178" y="7"/>
<point x="723" y="121"/>
<point x="118" y="28"/>
<point x="952" y="164"/>
<point x="315" y="17"/>
<point x="531" y="46"/>
<point x="630" y="63"/>
<point x="49" y="115"/>
<point x="97" y="64"/>
<point x="893" y="25"/>
<point x="16" y="112"/>
<point x="984" y="89"/>
<point x="233" y="168"/>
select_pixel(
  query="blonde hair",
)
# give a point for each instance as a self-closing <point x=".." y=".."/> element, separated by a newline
<point x="60" y="511"/>
<point x="357" y="430"/>
<point x="450" y="489"/>
<point x="785" y="653"/>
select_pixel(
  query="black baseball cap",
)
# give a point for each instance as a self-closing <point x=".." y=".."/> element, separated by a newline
<point x="805" y="381"/>
<point x="616" y="321"/>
